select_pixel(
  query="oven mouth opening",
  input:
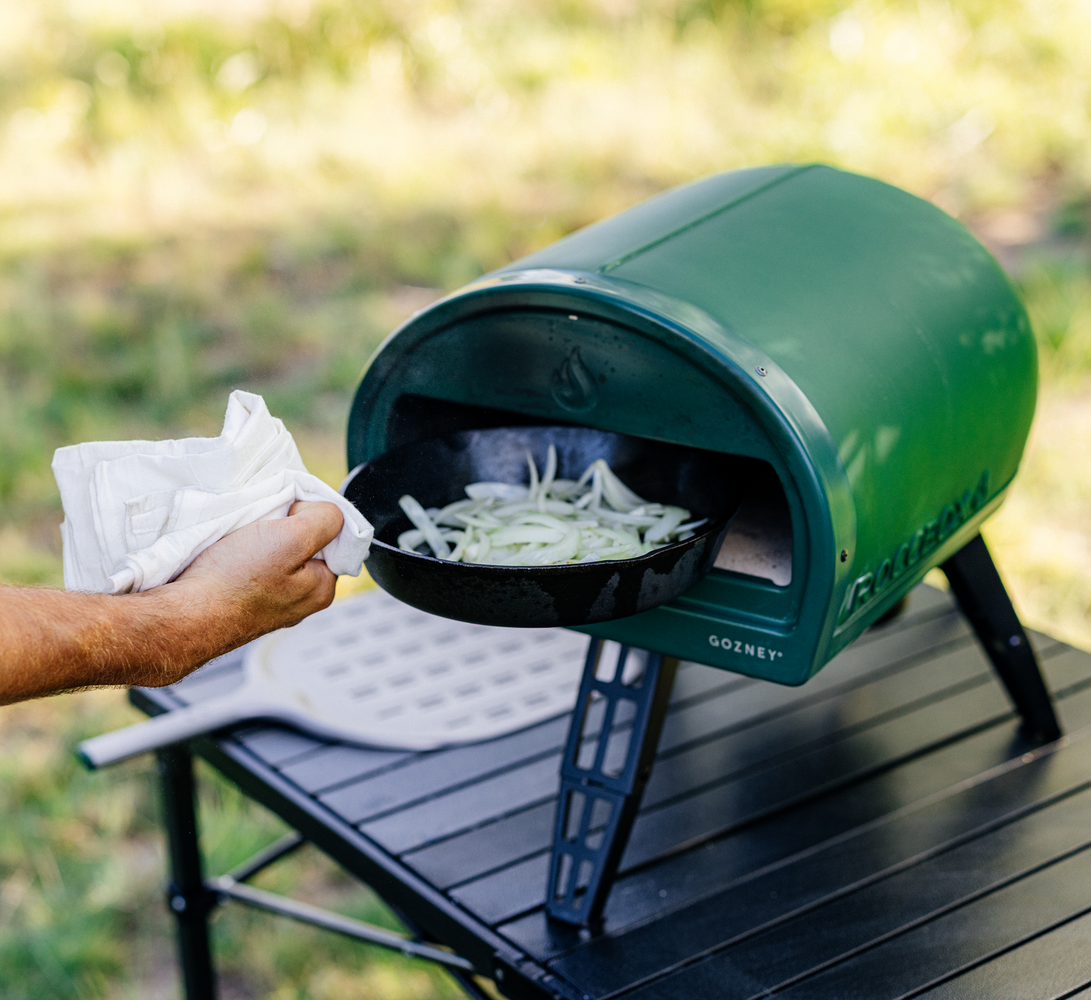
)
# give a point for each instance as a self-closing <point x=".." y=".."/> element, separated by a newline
<point x="758" y="543"/>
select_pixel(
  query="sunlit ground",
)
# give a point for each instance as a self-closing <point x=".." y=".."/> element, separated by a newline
<point x="199" y="195"/>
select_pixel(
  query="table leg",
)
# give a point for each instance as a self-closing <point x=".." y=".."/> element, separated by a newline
<point x="608" y="756"/>
<point x="187" y="897"/>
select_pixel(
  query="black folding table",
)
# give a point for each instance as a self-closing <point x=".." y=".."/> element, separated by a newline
<point x="885" y="830"/>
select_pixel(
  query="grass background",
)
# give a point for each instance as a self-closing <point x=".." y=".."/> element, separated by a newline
<point x="200" y="195"/>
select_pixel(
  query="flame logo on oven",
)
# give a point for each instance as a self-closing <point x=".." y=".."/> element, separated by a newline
<point x="573" y="385"/>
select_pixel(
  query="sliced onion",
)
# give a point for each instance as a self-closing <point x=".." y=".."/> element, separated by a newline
<point x="666" y="525"/>
<point x="549" y="522"/>
<point x="560" y="552"/>
<point x="532" y="493"/>
<point x="496" y="491"/>
<point x="419" y="516"/>
<point x="409" y="540"/>
<point x="526" y="534"/>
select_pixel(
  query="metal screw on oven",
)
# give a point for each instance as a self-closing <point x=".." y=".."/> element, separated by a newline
<point x="580" y="281"/>
<point x="178" y="904"/>
<point x="761" y="371"/>
<point x="844" y="555"/>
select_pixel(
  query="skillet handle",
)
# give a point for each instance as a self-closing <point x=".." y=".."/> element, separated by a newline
<point x="163" y="730"/>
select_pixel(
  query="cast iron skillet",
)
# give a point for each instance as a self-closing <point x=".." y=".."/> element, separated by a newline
<point x="436" y="471"/>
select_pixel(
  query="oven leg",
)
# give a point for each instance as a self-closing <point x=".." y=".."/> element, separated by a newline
<point x="187" y="897"/>
<point x="608" y="756"/>
<point x="984" y="601"/>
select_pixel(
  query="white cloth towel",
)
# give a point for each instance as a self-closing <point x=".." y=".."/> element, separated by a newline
<point x="137" y="513"/>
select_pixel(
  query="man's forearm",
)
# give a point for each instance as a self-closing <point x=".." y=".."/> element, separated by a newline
<point x="262" y="577"/>
<point x="54" y="641"/>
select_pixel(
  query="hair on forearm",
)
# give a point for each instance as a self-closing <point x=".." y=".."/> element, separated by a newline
<point x="53" y="641"/>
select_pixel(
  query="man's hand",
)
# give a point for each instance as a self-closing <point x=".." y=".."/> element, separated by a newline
<point x="265" y="573"/>
<point x="262" y="577"/>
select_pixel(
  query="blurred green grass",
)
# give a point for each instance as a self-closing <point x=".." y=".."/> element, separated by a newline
<point x="82" y="867"/>
<point x="196" y="196"/>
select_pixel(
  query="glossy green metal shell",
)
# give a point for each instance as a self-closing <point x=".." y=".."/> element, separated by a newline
<point x="854" y="336"/>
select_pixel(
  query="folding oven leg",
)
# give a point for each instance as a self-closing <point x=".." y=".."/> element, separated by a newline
<point x="608" y="756"/>
<point x="187" y="897"/>
<point x="984" y="601"/>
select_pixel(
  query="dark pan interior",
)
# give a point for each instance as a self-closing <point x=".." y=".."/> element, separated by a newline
<point x="436" y="472"/>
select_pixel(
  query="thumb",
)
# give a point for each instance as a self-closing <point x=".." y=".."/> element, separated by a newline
<point x="317" y="523"/>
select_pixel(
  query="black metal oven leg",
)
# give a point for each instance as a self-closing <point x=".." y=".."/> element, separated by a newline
<point x="608" y="756"/>
<point x="984" y="601"/>
<point x="187" y="897"/>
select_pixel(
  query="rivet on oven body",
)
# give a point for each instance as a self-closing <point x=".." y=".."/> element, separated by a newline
<point x="844" y="555"/>
<point x="761" y="371"/>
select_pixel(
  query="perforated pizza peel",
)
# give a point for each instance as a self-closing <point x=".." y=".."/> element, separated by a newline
<point x="373" y="671"/>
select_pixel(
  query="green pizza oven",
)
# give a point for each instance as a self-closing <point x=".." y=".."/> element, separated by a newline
<point x="862" y="355"/>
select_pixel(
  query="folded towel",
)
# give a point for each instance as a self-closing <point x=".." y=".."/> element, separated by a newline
<point x="137" y="513"/>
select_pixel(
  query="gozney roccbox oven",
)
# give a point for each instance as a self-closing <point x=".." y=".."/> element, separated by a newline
<point x="857" y="354"/>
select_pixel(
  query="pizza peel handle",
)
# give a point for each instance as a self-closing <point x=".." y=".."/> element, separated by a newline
<point x="373" y="672"/>
<point x="173" y="727"/>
